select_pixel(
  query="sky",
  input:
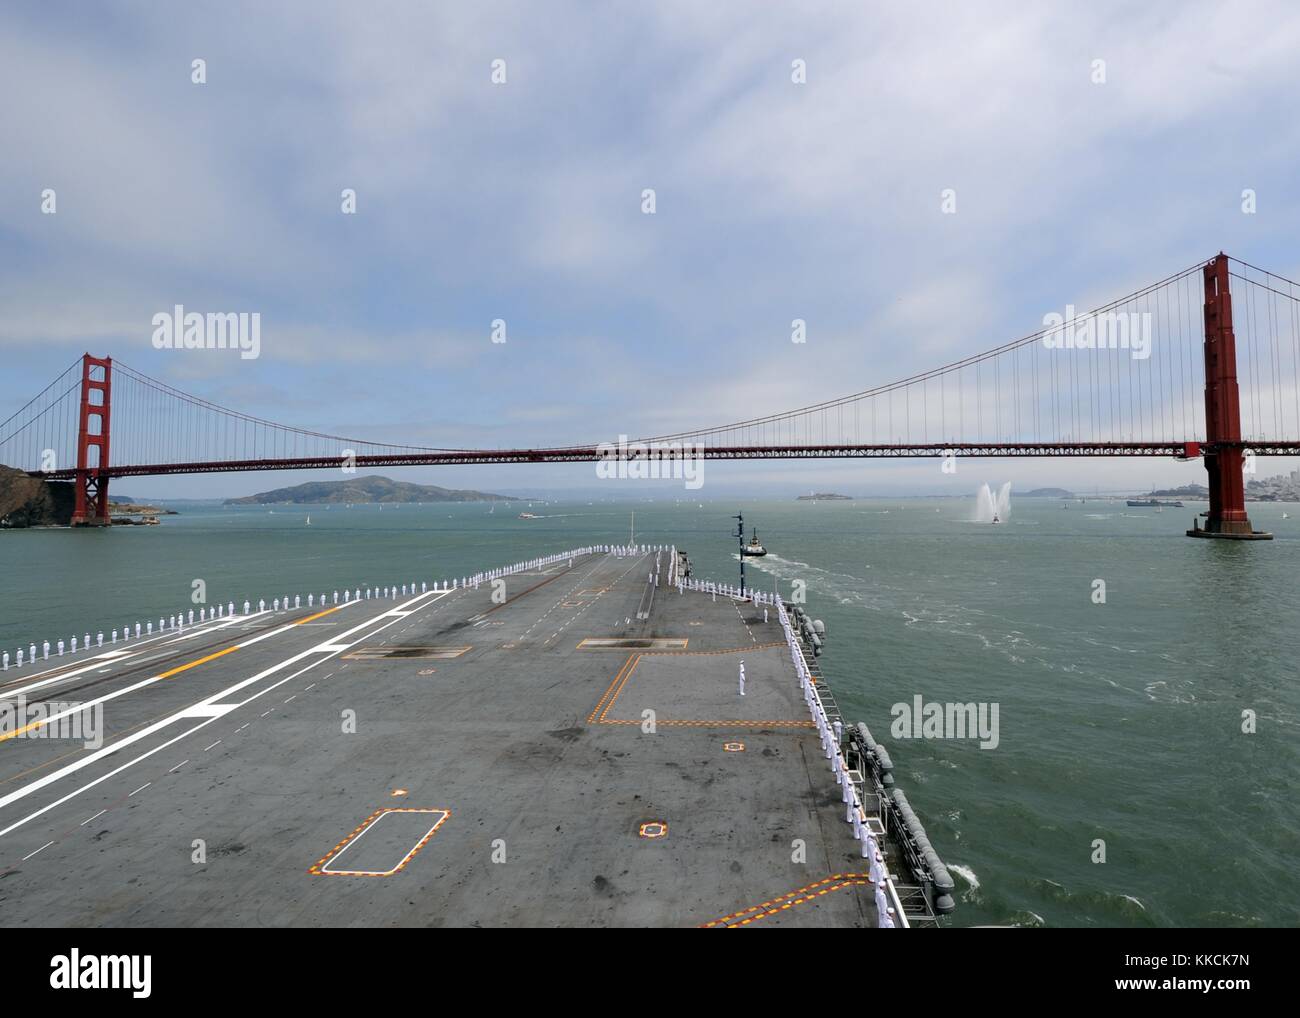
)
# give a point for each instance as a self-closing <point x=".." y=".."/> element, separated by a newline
<point x="522" y="200"/>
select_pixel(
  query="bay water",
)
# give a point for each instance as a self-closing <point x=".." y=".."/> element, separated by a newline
<point x="1120" y="721"/>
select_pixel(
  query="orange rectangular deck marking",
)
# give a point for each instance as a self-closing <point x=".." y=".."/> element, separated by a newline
<point x="322" y="868"/>
<point x="600" y="714"/>
<point x="835" y="882"/>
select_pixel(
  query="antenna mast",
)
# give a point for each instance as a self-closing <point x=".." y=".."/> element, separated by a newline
<point x="740" y="537"/>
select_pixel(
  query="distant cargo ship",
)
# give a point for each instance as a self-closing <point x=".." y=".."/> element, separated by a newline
<point x="820" y="496"/>
<point x="1149" y="503"/>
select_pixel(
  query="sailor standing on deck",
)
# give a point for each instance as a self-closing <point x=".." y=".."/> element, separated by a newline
<point x="742" y="678"/>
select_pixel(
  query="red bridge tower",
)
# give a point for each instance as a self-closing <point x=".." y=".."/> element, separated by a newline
<point x="91" y="508"/>
<point x="1223" y="450"/>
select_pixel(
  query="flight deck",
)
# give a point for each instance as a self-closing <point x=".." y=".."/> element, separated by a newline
<point x="566" y="746"/>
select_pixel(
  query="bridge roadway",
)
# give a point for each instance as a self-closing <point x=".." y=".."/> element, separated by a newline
<point x="438" y="759"/>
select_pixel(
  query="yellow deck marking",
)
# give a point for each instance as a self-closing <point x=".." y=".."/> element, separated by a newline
<point x="174" y="671"/>
<point x="199" y="661"/>
<point x="165" y="675"/>
<point x="318" y="615"/>
<point x="21" y="731"/>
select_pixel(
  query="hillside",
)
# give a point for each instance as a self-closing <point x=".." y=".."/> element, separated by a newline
<point x="366" y="489"/>
<point x="33" y="502"/>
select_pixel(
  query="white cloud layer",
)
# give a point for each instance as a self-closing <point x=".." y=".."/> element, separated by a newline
<point x="522" y="201"/>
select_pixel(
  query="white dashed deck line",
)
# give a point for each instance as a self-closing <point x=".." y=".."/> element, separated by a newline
<point x="210" y="702"/>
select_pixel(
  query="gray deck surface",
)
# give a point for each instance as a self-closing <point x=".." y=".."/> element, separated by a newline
<point x="520" y="765"/>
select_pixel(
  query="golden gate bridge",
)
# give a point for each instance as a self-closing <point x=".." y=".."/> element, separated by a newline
<point x="1203" y="363"/>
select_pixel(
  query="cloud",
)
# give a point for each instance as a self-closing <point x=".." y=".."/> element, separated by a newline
<point x="521" y="201"/>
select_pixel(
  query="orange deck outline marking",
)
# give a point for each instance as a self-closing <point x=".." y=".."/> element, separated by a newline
<point x="600" y="714"/>
<point x="318" y="868"/>
<point x="591" y="718"/>
<point x="629" y="668"/>
<point x="733" y="747"/>
<point x="799" y="896"/>
<point x="653" y="829"/>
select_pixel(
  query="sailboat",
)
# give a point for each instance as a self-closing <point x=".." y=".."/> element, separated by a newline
<point x="308" y="520"/>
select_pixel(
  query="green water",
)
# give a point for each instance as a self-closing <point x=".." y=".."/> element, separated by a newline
<point x="1118" y="721"/>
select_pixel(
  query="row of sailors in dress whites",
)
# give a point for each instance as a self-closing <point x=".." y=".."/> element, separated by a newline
<point x="179" y="621"/>
<point x="727" y="590"/>
<point x="831" y="734"/>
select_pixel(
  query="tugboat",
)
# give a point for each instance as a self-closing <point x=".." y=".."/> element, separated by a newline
<point x="754" y="549"/>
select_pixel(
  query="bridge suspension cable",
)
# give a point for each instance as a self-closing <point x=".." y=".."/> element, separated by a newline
<point x="42" y="433"/>
<point x="1125" y="378"/>
<point x="168" y="425"/>
<point x="1127" y="371"/>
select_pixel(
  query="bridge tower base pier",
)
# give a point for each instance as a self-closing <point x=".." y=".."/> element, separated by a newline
<point x="91" y="484"/>
<point x="1224" y="458"/>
